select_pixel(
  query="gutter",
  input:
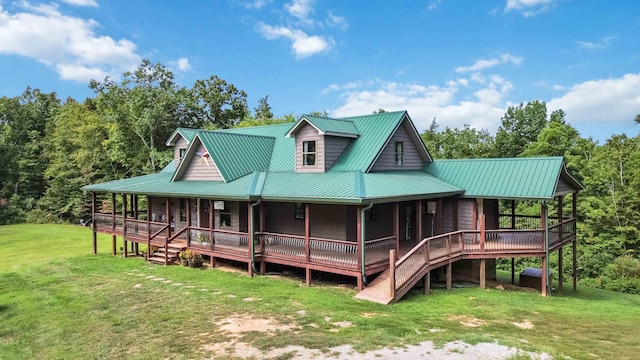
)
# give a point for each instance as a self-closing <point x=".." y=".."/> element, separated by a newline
<point x="362" y="237"/>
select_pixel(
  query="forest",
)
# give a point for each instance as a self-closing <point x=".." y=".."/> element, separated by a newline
<point x="50" y="148"/>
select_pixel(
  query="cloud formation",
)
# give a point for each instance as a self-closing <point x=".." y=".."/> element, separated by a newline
<point x="67" y="44"/>
<point x="485" y="64"/>
<point x="597" y="45"/>
<point x="529" y="8"/>
<point x="88" y="3"/>
<point x="302" y="45"/>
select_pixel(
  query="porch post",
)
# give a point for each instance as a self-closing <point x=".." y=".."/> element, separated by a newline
<point x="574" y="199"/>
<point x="261" y="219"/>
<point x="483" y="262"/>
<point x="148" y="227"/>
<point x="396" y="225"/>
<point x="513" y="226"/>
<point x="93" y="223"/>
<point x="135" y="215"/>
<point x="545" y="272"/>
<point x="188" y="221"/>
<point x="167" y="217"/>
<point x="561" y="236"/>
<point x="113" y="224"/>
<point x="307" y="230"/>
<point x="124" y="225"/>
<point x="418" y="221"/>
<point x="212" y="259"/>
<point x="359" y="240"/>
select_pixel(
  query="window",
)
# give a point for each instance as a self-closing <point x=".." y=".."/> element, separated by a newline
<point x="308" y="153"/>
<point x="225" y="214"/>
<point x="182" y="152"/>
<point x="371" y="215"/>
<point x="399" y="153"/>
<point x="183" y="210"/>
<point x="299" y="212"/>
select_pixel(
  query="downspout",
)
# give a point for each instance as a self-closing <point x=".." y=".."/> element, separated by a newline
<point x="363" y="265"/>
<point x="252" y="234"/>
<point x="546" y="247"/>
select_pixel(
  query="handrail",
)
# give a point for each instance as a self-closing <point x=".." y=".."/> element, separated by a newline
<point x="564" y="222"/>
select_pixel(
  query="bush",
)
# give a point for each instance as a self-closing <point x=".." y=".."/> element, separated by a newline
<point x="623" y="275"/>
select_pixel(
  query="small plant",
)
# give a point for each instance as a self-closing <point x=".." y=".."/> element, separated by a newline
<point x="184" y="257"/>
<point x="196" y="261"/>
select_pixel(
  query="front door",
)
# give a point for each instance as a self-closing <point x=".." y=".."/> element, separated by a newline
<point x="203" y="213"/>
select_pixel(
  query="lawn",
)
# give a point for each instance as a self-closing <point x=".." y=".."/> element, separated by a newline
<point x="59" y="301"/>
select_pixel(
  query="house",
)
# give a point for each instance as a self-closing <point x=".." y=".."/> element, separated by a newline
<point x="358" y="196"/>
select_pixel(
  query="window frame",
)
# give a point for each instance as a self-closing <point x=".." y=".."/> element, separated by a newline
<point x="226" y="213"/>
<point x="399" y="153"/>
<point x="308" y="154"/>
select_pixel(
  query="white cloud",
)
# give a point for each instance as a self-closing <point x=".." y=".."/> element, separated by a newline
<point x="601" y="44"/>
<point x="426" y="102"/>
<point x="433" y="4"/>
<point x="615" y="100"/>
<point x="89" y="3"/>
<point x="67" y="44"/>
<point x="257" y="4"/>
<point x="301" y="9"/>
<point x="529" y="8"/>
<point x="302" y="45"/>
<point x="485" y="64"/>
<point x="337" y="21"/>
<point x="181" y="64"/>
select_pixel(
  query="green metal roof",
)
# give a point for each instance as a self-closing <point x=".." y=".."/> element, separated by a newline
<point x="510" y="178"/>
<point x="375" y="130"/>
<point x="327" y="126"/>
<point x="237" y="155"/>
<point x="399" y="184"/>
<point x="283" y="156"/>
<point x="186" y="133"/>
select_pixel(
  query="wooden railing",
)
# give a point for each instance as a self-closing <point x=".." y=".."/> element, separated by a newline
<point x="328" y="252"/>
<point x="230" y="242"/>
<point x="523" y="221"/>
<point x="108" y="222"/>
<point x="438" y="250"/>
<point x="561" y="232"/>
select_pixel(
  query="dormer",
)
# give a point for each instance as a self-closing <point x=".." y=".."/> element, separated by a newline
<point x="404" y="150"/>
<point x="180" y="140"/>
<point x="320" y="141"/>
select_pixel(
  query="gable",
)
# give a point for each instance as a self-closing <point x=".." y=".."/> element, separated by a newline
<point x="305" y="134"/>
<point x="198" y="164"/>
<point x="413" y="157"/>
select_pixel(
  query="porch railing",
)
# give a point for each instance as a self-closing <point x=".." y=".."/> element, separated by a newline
<point x="506" y="221"/>
<point x="108" y="222"/>
<point x="230" y="242"/>
<point x="329" y="252"/>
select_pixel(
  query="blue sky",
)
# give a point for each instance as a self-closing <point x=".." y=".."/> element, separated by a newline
<point x="461" y="62"/>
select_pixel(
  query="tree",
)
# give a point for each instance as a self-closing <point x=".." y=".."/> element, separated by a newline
<point x="263" y="111"/>
<point x="637" y="119"/>
<point x="520" y="127"/>
<point x="457" y="144"/>
<point x="217" y="103"/>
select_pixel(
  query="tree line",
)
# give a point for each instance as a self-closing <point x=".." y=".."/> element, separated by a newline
<point x="50" y="148"/>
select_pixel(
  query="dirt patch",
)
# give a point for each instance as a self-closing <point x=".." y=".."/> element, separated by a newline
<point x="467" y="320"/>
<point x="240" y="324"/>
<point x="526" y="325"/>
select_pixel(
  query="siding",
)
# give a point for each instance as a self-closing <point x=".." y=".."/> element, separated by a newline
<point x="383" y="225"/>
<point x="309" y="133"/>
<point x="198" y="170"/>
<point x="490" y="214"/>
<point x="466" y="214"/>
<point x="328" y="221"/>
<point x="445" y="213"/>
<point x="181" y="144"/>
<point x="333" y="148"/>
<point x="387" y="159"/>
<point x="280" y="218"/>
<point x="563" y="186"/>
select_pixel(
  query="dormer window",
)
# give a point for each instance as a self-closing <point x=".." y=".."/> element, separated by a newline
<point x="182" y="152"/>
<point x="309" y="153"/>
<point x="399" y="153"/>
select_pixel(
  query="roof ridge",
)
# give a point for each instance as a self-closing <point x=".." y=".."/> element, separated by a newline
<point x="503" y="159"/>
<point x="235" y="134"/>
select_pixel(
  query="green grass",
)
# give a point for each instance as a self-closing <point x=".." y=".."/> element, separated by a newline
<point x="59" y="301"/>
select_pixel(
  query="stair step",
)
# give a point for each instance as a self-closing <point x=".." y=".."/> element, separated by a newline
<point x="169" y="250"/>
<point x="160" y="260"/>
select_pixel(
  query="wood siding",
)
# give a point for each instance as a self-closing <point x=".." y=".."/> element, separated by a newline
<point x="333" y="148"/>
<point x="563" y="187"/>
<point x="466" y="208"/>
<point x="199" y="170"/>
<point x="387" y="159"/>
<point x="328" y="221"/>
<point x="309" y="133"/>
<point x="490" y="214"/>
<point x="382" y="224"/>
<point x="280" y="219"/>
<point x="181" y="144"/>
<point x="445" y="213"/>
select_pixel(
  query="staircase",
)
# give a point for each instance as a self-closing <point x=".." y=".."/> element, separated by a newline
<point x="172" y="251"/>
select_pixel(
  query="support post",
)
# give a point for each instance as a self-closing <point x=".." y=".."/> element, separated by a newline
<point x="513" y="270"/>
<point x="418" y="221"/>
<point x="482" y="233"/>
<point x="113" y="224"/>
<point x="513" y="226"/>
<point x="449" y="275"/>
<point x="483" y="274"/>
<point x="148" y="227"/>
<point x="93" y="223"/>
<point x="574" y="200"/>
<point x="359" y="247"/>
<point x="396" y="225"/>
<point x="545" y="258"/>
<point x="124" y="225"/>
<point x="211" y="226"/>
<point x="392" y="273"/>
<point x="560" y="277"/>
<point x="189" y="221"/>
<point x="427" y="283"/>
<point x="307" y="249"/>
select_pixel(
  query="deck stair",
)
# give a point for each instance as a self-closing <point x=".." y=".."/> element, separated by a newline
<point x="172" y="250"/>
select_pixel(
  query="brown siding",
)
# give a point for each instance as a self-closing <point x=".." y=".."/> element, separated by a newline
<point x="387" y="159"/>
<point x="280" y="218"/>
<point x="352" y="223"/>
<point x="181" y="144"/>
<point x="466" y="214"/>
<point x="333" y="148"/>
<point x="446" y="216"/>
<point x="309" y="133"/>
<point x="563" y="186"/>
<point x="382" y="226"/>
<point x="328" y="221"/>
<point x="199" y="170"/>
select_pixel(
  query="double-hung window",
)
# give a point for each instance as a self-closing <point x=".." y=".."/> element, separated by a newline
<point x="308" y="153"/>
